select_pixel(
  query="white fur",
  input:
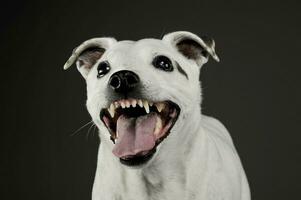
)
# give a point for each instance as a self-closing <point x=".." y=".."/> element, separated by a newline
<point x="196" y="161"/>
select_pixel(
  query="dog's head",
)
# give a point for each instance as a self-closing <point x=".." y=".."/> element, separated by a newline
<point x="140" y="92"/>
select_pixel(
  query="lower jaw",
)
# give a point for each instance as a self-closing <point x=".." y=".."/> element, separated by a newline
<point x="138" y="160"/>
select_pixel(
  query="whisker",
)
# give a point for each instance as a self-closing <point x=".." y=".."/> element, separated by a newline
<point x="95" y="128"/>
<point x="162" y="33"/>
<point x="87" y="136"/>
<point x="81" y="128"/>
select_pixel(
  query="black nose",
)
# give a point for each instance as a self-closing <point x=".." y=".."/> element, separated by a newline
<point x="123" y="81"/>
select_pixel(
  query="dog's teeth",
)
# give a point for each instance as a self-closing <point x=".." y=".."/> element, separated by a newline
<point x="160" y="106"/>
<point x="116" y="104"/>
<point x="127" y="103"/>
<point x="117" y="135"/>
<point x="158" y="126"/>
<point x="146" y="106"/>
<point x="151" y="103"/>
<point x="122" y="104"/>
<point x="140" y="103"/>
<point x="134" y="103"/>
<point x="112" y="110"/>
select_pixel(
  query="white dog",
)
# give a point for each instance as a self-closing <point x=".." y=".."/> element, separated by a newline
<point x="145" y="96"/>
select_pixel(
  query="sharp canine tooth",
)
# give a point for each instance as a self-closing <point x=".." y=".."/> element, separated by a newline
<point x="112" y="110"/>
<point x="146" y="106"/>
<point x="122" y="104"/>
<point x="160" y="106"/>
<point x="140" y="103"/>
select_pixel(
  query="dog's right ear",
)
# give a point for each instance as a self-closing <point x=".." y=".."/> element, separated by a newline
<point x="192" y="46"/>
<point x="87" y="54"/>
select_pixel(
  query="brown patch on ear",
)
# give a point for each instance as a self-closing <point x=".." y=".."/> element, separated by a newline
<point x="191" y="49"/>
<point x="89" y="57"/>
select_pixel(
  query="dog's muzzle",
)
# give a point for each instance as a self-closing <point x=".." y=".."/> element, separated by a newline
<point x="137" y="126"/>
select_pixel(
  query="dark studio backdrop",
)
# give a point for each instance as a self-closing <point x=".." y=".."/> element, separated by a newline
<point x="254" y="90"/>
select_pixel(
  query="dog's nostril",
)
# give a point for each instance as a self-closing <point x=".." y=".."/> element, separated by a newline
<point x="131" y="79"/>
<point x="115" y="82"/>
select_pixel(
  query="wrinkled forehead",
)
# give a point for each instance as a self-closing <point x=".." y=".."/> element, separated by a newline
<point x="133" y="50"/>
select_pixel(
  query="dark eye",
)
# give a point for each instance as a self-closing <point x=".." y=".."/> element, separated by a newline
<point x="103" y="68"/>
<point x="162" y="62"/>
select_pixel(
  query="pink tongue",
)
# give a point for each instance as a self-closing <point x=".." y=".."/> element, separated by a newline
<point x="135" y="135"/>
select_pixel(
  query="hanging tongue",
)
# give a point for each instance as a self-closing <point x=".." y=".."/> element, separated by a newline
<point x="135" y="135"/>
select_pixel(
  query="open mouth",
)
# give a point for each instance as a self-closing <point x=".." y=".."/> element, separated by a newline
<point x="138" y="126"/>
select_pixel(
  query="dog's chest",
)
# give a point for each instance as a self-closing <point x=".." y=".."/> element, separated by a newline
<point x="137" y="186"/>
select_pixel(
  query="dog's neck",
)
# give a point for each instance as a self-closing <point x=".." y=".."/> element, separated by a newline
<point x="177" y="151"/>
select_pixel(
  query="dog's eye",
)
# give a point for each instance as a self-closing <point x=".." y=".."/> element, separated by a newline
<point x="162" y="62"/>
<point x="103" y="68"/>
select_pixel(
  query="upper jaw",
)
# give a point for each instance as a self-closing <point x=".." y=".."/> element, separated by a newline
<point x="128" y="103"/>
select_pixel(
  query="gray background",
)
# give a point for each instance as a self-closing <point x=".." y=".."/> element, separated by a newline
<point x="254" y="90"/>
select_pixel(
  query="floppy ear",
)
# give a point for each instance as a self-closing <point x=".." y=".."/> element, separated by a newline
<point x="87" y="54"/>
<point x="192" y="46"/>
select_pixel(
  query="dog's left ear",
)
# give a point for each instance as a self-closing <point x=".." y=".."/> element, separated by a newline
<point x="88" y="53"/>
<point x="192" y="46"/>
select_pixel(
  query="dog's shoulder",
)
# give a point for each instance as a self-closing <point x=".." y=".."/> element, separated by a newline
<point x="216" y="129"/>
<point x="224" y="162"/>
